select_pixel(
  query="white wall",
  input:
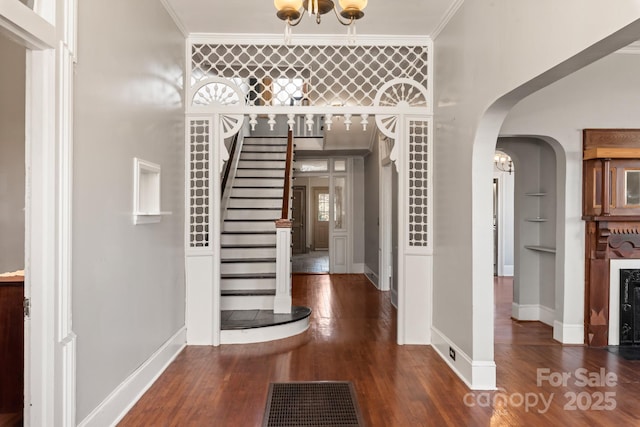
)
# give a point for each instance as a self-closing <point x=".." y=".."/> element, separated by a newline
<point x="535" y="271"/>
<point x="128" y="281"/>
<point x="602" y="95"/>
<point x="357" y="187"/>
<point x="505" y="222"/>
<point x="12" y="150"/>
<point x="489" y="56"/>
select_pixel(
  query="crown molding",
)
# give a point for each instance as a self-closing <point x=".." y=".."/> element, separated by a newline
<point x="633" y="48"/>
<point x="176" y="19"/>
<point x="311" y="39"/>
<point x="448" y="15"/>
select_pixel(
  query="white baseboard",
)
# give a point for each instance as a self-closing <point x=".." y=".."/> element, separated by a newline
<point x="568" y="334"/>
<point x="372" y="276"/>
<point x="507" y="270"/>
<point x="533" y="312"/>
<point x="358" y="268"/>
<point x="477" y="375"/>
<point x="122" y="399"/>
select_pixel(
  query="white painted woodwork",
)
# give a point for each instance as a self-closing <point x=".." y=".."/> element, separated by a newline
<point x="263" y="155"/>
<point x="253" y="164"/>
<point x="264" y="334"/>
<point x="247" y="302"/>
<point x="257" y="192"/>
<point x="257" y="182"/>
<point x="267" y="173"/>
<point x="249" y="238"/>
<point x="271" y="203"/>
<point x="265" y="225"/>
<point x="256" y="283"/>
<point x="266" y="148"/>
<point x="257" y="267"/>
<point x="243" y="253"/>
<point x="253" y="214"/>
<point x="282" y="303"/>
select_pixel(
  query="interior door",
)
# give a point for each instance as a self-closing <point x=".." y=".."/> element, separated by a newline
<point x="298" y="214"/>
<point x="321" y="218"/>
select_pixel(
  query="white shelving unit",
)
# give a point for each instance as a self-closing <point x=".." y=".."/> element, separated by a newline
<point x="538" y="248"/>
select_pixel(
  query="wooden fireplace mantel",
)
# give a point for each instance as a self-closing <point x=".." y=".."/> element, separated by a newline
<point x="612" y="223"/>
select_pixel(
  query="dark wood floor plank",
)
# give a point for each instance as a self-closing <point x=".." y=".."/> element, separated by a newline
<point x="352" y="337"/>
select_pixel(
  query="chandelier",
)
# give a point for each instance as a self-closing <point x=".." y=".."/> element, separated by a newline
<point x="503" y="162"/>
<point x="292" y="11"/>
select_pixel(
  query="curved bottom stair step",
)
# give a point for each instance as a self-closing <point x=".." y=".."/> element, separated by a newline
<point x="253" y="326"/>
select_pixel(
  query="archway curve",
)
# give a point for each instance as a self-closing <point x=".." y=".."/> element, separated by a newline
<point x="484" y="144"/>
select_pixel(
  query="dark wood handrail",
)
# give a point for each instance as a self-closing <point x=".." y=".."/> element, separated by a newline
<point x="227" y="166"/>
<point x="287" y="176"/>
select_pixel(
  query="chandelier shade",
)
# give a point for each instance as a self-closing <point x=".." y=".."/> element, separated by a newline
<point x="292" y="11"/>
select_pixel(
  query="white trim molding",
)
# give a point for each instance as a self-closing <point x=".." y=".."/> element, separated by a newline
<point x="567" y="333"/>
<point x="175" y="17"/>
<point x="372" y="276"/>
<point x="311" y="39"/>
<point x="123" y="397"/>
<point x="476" y="374"/>
<point x="448" y="15"/>
<point x="533" y="312"/>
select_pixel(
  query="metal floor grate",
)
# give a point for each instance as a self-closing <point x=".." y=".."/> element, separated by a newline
<point x="312" y="404"/>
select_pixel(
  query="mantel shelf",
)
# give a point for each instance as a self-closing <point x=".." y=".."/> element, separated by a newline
<point x="548" y="249"/>
<point x="536" y="219"/>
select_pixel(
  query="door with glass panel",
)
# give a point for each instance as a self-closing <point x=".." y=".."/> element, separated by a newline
<point x="321" y="218"/>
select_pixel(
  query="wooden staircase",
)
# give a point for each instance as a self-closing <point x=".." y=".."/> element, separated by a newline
<point x="248" y="247"/>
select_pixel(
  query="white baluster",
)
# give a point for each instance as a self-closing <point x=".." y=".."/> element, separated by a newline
<point x="328" y="121"/>
<point x="347" y="121"/>
<point x="309" y="121"/>
<point x="292" y="121"/>
<point x="364" y="121"/>
<point x="272" y="121"/>
<point x="253" y="121"/>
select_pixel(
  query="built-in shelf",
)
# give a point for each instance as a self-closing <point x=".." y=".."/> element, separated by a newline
<point x="548" y="249"/>
<point x="535" y="194"/>
<point x="536" y="219"/>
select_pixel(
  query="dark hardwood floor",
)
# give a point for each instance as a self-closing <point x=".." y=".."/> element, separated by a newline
<point x="352" y="337"/>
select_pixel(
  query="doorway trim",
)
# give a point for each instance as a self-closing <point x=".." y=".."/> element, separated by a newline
<point x="49" y="339"/>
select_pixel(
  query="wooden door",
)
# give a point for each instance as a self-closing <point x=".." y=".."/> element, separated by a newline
<point x="298" y="214"/>
<point x="320" y="218"/>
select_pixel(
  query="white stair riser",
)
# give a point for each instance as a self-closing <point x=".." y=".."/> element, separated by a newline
<point x="258" y="182"/>
<point x="271" y="164"/>
<point x="267" y="173"/>
<point x="247" y="267"/>
<point x="257" y="192"/>
<point x="243" y="253"/>
<point x="268" y="333"/>
<point x="249" y="226"/>
<point x="263" y="155"/>
<point x="266" y="214"/>
<point x="242" y="284"/>
<point x="248" y="239"/>
<point x="272" y="148"/>
<point x="256" y="203"/>
<point x="251" y="302"/>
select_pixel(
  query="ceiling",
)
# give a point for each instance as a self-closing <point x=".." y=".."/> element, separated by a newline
<point x="412" y="17"/>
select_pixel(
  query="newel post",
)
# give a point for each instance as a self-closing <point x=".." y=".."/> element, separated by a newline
<point x="282" y="303"/>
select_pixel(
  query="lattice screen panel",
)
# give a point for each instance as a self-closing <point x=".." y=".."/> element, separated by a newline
<point x="317" y="75"/>
<point x="418" y="170"/>
<point x="199" y="192"/>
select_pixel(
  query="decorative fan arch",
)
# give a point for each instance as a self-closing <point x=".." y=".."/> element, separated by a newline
<point x="217" y="91"/>
<point x="400" y="92"/>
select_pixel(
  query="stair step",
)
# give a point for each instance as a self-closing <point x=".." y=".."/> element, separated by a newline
<point x="247" y="292"/>
<point x="243" y="237"/>
<point x="254" y="213"/>
<point x="240" y="281"/>
<point x="246" y="260"/>
<point x="265" y="173"/>
<point x="247" y="251"/>
<point x="254" y="267"/>
<point x="257" y="192"/>
<point x="265" y="203"/>
<point x="244" y="225"/>
<point x="263" y="155"/>
<point x="244" y="182"/>
<point x="260" y="164"/>
<point x="247" y="302"/>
